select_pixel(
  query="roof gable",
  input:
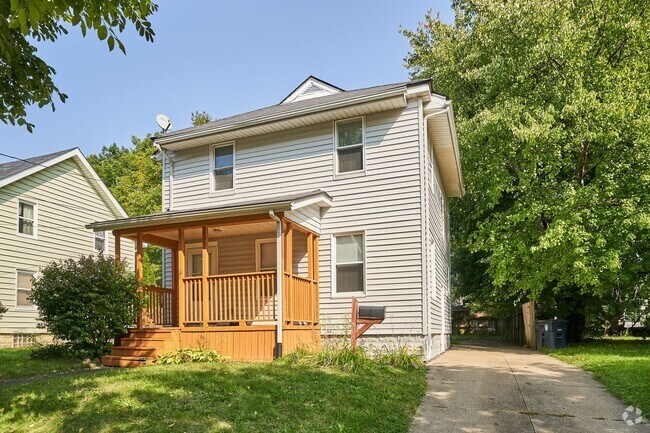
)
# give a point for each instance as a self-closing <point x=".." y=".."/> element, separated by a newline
<point x="312" y="87"/>
<point x="11" y="172"/>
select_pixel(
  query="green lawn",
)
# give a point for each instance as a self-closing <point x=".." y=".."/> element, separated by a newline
<point x="621" y="364"/>
<point x="230" y="397"/>
<point x="16" y="363"/>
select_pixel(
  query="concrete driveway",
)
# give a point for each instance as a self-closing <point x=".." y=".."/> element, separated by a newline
<point x="476" y="389"/>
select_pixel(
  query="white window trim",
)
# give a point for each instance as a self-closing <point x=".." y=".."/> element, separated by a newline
<point x="354" y="173"/>
<point x="22" y="307"/>
<point x="230" y="191"/>
<point x="35" y="205"/>
<point x="106" y="247"/>
<point x="258" y="253"/>
<point x="333" y="263"/>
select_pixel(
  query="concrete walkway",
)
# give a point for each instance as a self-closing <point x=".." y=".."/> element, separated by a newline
<point x="476" y="389"/>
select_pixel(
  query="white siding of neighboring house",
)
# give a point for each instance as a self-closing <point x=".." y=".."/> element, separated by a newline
<point x="384" y="202"/>
<point x="66" y="201"/>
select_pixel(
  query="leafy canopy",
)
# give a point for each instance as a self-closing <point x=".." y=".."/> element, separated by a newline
<point x="26" y="79"/>
<point x="553" y="111"/>
<point x="200" y="118"/>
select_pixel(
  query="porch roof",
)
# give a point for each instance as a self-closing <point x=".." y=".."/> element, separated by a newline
<point x="241" y="208"/>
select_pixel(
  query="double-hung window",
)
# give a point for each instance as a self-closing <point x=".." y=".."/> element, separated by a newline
<point x="24" y="289"/>
<point x="223" y="166"/>
<point x="26" y="218"/>
<point x="101" y="242"/>
<point x="349" y="264"/>
<point x="349" y="140"/>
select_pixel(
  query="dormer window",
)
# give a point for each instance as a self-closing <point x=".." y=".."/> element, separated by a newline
<point x="223" y="166"/>
<point x="349" y="141"/>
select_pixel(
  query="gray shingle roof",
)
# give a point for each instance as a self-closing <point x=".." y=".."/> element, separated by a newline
<point x="294" y="106"/>
<point x="12" y="168"/>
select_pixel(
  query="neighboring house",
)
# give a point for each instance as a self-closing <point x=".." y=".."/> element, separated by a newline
<point x="45" y="203"/>
<point x="284" y="214"/>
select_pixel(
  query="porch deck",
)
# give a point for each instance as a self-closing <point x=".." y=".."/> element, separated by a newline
<point x="246" y="316"/>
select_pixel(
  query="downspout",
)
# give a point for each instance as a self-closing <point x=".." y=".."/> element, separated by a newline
<point x="425" y="232"/>
<point x="171" y="175"/>
<point x="278" y="281"/>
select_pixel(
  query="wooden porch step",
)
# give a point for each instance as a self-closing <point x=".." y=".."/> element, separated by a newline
<point x="151" y="333"/>
<point x="124" y="361"/>
<point x="136" y="351"/>
<point x="158" y="343"/>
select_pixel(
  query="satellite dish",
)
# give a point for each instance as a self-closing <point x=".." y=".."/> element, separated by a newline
<point x="164" y="122"/>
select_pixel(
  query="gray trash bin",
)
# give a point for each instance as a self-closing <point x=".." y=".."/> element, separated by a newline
<point x="539" y="333"/>
<point x="557" y="334"/>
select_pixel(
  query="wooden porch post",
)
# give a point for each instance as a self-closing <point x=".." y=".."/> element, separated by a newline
<point x="138" y="269"/>
<point x="118" y="249"/>
<point x="204" y="273"/>
<point x="180" y="275"/>
<point x="175" y="287"/>
<point x="316" y="278"/>
<point x="288" y="268"/>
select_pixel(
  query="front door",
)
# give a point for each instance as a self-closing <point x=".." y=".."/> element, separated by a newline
<point x="194" y="265"/>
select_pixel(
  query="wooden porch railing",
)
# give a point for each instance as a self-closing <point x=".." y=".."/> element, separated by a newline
<point x="300" y="300"/>
<point x="158" y="307"/>
<point x="232" y="298"/>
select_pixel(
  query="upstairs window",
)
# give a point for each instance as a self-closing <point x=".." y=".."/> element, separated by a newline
<point x="24" y="289"/>
<point x="101" y="242"/>
<point x="223" y="166"/>
<point x="349" y="263"/>
<point x="26" y="218"/>
<point x="349" y="140"/>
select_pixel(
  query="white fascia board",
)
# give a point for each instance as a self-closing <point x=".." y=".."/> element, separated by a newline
<point x="322" y="200"/>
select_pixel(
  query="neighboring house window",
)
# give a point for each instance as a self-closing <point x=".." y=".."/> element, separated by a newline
<point x="223" y="166"/>
<point x="266" y="255"/>
<point x="349" y="138"/>
<point x="349" y="264"/>
<point x="101" y="242"/>
<point x="24" y="289"/>
<point x="27" y="218"/>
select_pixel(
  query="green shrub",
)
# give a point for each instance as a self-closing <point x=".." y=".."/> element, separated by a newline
<point x="53" y="351"/>
<point x="401" y="357"/>
<point x="87" y="302"/>
<point x="185" y="356"/>
<point x="3" y="310"/>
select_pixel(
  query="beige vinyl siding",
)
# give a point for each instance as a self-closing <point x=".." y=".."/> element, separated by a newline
<point x="384" y="202"/>
<point x="66" y="202"/>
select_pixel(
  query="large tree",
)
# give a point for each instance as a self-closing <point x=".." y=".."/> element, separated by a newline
<point x="26" y="79"/>
<point x="553" y="113"/>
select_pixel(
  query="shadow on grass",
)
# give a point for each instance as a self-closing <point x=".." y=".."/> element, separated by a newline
<point x="217" y="397"/>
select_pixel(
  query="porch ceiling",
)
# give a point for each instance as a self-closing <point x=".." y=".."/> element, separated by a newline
<point x="193" y="234"/>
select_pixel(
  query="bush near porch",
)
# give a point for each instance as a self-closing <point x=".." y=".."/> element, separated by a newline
<point x="218" y="397"/>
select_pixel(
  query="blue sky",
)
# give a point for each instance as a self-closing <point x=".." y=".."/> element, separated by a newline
<point x="221" y="57"/>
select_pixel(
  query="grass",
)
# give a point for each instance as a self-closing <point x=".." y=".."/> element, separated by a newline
<point x="217" y="397"/>
<point x="621" y="364"/>
<point x="16" y="363"/>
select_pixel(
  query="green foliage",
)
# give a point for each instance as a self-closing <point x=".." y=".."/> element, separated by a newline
<point x="132" y="175"/>
<point x="185" y="356"/>
<point x="342" y="357"/>
<point x="53" y="351"/>
<point x="25" y="79"/>
<point x="401" y="357"/>
<point x="552" y="102"/>
<point x="200" y="118"/>
<point x="87" y="302"/>
<point x="3" y="309"/>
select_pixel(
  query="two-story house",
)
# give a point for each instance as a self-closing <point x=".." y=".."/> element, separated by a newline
<point x="45" y="203"/>
<point x="276" y="218"/>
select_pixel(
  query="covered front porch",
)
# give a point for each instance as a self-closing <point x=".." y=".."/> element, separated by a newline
<point x="245" y="285"/>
